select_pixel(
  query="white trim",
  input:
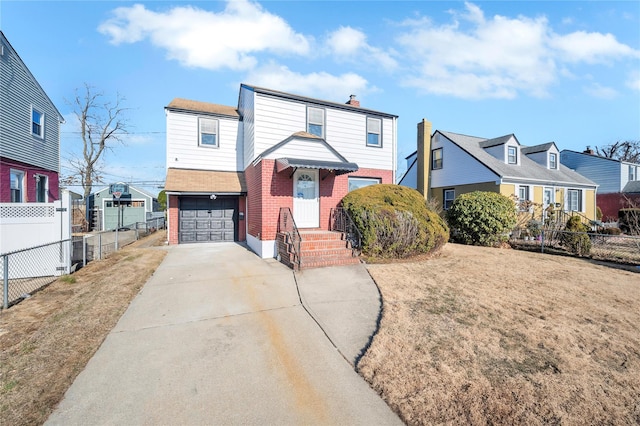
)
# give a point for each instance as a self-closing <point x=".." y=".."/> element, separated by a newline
<point x="23" y="189"/>
<point x="265" y="249"/>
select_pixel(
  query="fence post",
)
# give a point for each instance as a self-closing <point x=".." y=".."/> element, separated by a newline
<point x="5" y="281"/>
<point x="84" y="250"/>
<point x="542" y="241"/>
<point x="116" y="249"/>
<point x="99" y="246"/>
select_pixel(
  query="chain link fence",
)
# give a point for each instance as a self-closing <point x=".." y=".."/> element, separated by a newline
<point x="615" y="248"/>
<point x="25" y="271"/>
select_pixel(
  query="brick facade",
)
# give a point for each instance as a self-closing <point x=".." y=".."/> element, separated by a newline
<point x="30" y="173"/>
<point x="172" y="217"/>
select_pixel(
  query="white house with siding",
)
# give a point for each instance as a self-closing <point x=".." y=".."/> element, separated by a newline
<point x="231" y="169"/>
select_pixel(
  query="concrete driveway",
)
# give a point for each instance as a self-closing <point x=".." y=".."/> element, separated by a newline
<point x="220" y="336"/>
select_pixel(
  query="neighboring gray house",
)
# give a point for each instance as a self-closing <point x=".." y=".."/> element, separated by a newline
<point x="134" y="205"/>
<point x="618" y="180"/>
<point x="29" y="136"/>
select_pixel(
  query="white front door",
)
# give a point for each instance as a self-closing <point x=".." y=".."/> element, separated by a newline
<point x="306" y="203"/>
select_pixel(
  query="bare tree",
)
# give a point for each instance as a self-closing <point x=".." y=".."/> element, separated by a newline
<point x="621" y="150"/>
<point x="102" y="123"/>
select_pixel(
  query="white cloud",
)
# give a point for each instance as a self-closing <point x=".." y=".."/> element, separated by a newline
<point x="598" y="91"/>
<point x="590" y="48"/>
<point x="316" y="84"/>
<point x="198" y="38"/>
<point x="477" y="57"/>
<point x="633" y="82"/>
<point x="349" y="44"/>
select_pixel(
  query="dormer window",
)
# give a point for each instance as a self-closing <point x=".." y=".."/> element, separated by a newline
<point x="553" y="161"/>
<point x="512" y="155"/>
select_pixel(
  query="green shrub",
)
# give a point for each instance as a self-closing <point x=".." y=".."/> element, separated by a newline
<point x="575" y="239"/>
<point x="395" y="221"/>
<point x="482" y="218"/>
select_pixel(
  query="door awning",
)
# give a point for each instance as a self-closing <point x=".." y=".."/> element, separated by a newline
<point x="339" y="167"/>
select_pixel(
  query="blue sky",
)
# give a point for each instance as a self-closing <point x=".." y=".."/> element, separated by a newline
<point x="562" y="71"/>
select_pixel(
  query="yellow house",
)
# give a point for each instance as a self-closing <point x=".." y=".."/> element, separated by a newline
<point x="448" y="164"/>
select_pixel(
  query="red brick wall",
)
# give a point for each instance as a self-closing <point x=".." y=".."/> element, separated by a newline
<point x="172" y="217"/>
<point x="611" y="203"/>
<point x="252" y="176"/>
<point x="242" y="223"/>
<point x="29" y="181"/>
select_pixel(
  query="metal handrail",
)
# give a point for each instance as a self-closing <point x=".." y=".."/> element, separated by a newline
<point x="341" y="221"/>
<point x="287" y="226"/>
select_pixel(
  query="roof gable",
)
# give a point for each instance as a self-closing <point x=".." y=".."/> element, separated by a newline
<point x="303" y="145"/>
<point x="181" y="104"/>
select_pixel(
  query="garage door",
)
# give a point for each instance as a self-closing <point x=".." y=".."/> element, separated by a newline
<point x="205" y="220"/>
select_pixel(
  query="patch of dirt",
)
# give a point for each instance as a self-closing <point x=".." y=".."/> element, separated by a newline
<point x="46" y="340"/>
<point x="497" y="336"/>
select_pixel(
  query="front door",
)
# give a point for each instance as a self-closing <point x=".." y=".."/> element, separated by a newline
<point x="547" y="200"/>
<point x="306" y="203"/>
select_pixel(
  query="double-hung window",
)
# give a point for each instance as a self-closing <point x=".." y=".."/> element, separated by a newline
<point x="632" y="173"/>
<point x="553" y="161"/>
<point x="523" y="198"/>
<point x="208" y="132"/>
<point x="448" y="196"/>
<point x="512" y="155"/>
<point x="436" y="159"/>
<point x="315" y="121"/>
<point x="37" y="123"/>
<point x="374" y="132"/>
<point x="574" y="200"/>
<point x="17" y="186"/>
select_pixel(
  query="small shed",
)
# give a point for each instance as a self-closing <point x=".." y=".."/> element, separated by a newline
<point x="121" y="205"/>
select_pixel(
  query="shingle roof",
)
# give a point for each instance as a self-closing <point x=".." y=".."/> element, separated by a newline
<point x="197" y="106"/>
<point x="632" y="186"/>
<point x="537" y="148"/>
<point x="497" y="141"/>
<point x="188" y="180"/>
<point x="528" y="169"/>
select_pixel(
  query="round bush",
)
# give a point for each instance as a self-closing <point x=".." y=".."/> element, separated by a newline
<point x="482" y="218"/>
<point x="395" y="221"/>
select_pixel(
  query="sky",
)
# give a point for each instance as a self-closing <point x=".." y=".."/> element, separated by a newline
<point x="547" y="71"/>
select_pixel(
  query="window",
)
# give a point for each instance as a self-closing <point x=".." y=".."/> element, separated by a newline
<point x="374" y="134"/>
<point x="41" y="188"/>
<point x="361" y="182"/>
<point x="208" y="132"/>
<point x="574" y="200"/>
<point x="523" y="198"/>
<point x="632" y="173"/>
<point x="37" y="123"/>
<point x="512" y="155"/>
<point x="17" y="186"/>
<point x="315" y="121"/>
<point x="449" y="196"/>
<point x="436" y="159"/>
<point x="553" y="161"/>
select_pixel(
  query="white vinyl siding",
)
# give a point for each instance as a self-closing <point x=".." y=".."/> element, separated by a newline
<point x="460" y="167"/>
<point x="21" y="92"/>
<point x="309" y="149"/>
<point x="185" y="152"/>
<point x="276" y="119"/>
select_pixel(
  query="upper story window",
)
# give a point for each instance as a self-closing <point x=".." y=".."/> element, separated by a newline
<point x="436" y="159"/>
<point x="512" y="155"/>
<point x="37" y="123"/>
<point x="208" y="132"/>
<point x="17" y="186"/>
<point x="374" y="132"/>
<point x="315" y="121"/>
<point x="632" y="173"/>
<point x="553" y="161"/>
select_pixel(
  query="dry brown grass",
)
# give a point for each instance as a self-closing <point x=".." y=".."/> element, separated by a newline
<point x="46" y="340"/>
<point x="497" y="336"/>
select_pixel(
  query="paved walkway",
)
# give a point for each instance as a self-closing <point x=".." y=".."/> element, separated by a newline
<point x="219" y="336"/>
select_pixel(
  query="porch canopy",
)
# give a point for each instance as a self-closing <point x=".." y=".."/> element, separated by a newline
<point x="338" y="167"/>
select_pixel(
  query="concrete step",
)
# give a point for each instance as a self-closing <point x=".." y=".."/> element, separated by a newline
<point x="319" y="262"/>
<point x="308" y="235"/>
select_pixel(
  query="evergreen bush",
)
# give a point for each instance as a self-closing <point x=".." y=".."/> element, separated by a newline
<point x="482" y="218"/>
<point x="395" y="221"/>
<point x="575" y="237"/>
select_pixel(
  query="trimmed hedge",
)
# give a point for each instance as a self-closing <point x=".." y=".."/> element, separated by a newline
<point x="575" y="239"/>
<point x="482" y="218"/>
<point x="395" y="221"/>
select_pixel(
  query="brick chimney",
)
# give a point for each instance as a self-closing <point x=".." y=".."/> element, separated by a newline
<point x="589" y="151"/>
<point x="353" y="101"/>
<point x="424" y="158"/>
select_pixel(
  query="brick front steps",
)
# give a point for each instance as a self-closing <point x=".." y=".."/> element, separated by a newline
<point x="318" y="248"/>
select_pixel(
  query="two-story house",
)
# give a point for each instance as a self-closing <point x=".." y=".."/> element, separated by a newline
<point x="231" y="169"/>
<point x="618" y="181"/>
<point x="29" y="134"/>
<point x="448" y="164"/>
